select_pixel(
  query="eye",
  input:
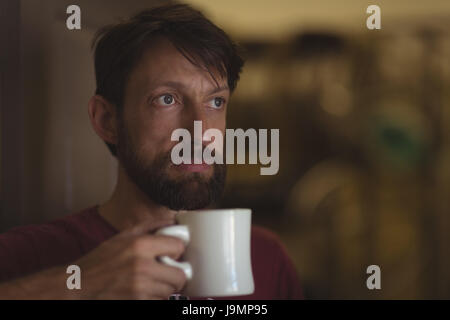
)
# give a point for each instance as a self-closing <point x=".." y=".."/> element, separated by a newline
<point x="166" y="100"/>
<point x="217" y="102"/>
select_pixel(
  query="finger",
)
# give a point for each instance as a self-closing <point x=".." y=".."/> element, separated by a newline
<point x="172" y="276"/>
<point x="147" y="288"/>
<point x="152" y="246"/>
<point x="160" y="290"/>
<point x="149" y="285"/>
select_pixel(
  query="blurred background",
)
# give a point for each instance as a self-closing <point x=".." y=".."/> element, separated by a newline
<point x="364" y="119"/>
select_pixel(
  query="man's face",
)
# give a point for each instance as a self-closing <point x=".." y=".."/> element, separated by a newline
<point x="163" y="93"/>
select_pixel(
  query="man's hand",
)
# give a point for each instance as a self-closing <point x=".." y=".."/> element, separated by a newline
<point x="123" y="267"/>
<point x="126" y="266"/>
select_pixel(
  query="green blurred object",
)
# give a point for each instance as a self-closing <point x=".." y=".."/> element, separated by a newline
<point x="399" y="137"/>
<point x="400" y="146"/>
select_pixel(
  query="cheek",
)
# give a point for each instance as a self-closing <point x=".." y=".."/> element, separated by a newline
<point x="155" y="138"/>
<point x="153" y="129"/>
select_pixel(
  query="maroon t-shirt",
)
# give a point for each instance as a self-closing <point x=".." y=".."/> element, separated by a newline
<point x="28" y="249"/>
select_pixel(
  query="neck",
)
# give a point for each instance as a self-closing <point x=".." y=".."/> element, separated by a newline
<point x="129" y="206"/>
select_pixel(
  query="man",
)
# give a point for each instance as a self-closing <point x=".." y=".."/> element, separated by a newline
<point x="161" y="70"/>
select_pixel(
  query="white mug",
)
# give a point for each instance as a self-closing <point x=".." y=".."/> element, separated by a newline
<point x="217" y="256"/>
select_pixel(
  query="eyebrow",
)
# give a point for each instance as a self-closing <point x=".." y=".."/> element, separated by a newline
<point x="180" y="85"/>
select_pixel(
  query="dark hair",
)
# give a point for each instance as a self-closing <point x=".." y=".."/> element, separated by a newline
<point x="119" y="47"/>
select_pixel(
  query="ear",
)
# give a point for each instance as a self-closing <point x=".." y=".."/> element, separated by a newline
<point x="103" y="118"/>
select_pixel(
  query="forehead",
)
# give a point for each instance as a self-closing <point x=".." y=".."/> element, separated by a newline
<point x="162" y="62"/>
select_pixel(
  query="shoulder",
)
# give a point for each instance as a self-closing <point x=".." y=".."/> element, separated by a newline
<point x="86" y="225"/>
<point x="30" y="248"/>
<point x="71" y="225"/>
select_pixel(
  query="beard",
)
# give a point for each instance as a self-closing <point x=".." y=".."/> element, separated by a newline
<point x="185" y="191"/>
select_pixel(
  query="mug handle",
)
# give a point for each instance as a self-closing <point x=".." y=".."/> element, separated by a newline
<point x="181" y="232"/>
